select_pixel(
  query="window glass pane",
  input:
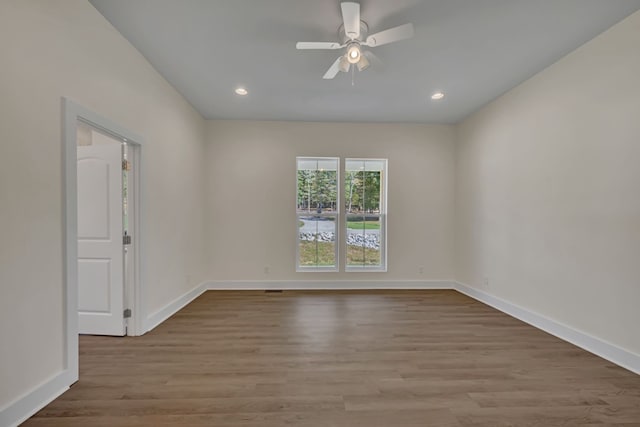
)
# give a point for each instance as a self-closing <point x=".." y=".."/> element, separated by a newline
<point x="317" y="241"/>
<point x="363" y="186"/>
<point x="317" y="213"/>
<point x="365" y="206"/>
<point x="364" y="240"/>
<point x="317" y="185"/>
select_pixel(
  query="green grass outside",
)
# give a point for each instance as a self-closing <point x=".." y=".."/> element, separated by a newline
<point x="357" y="225"/>
<point x="325" y="253"/>
<point x="363" y="225"/>
<point x="356" y="255"/>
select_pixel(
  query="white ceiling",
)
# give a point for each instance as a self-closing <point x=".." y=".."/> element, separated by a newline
<point x="473" y="50"/>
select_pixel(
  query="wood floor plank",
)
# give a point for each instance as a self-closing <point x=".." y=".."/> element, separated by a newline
<point x="342" y="358"/>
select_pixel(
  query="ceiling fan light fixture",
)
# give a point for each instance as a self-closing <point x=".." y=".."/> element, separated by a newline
<point x="437" y="96"/>
<point x="345" y="64"/>
<point x="354" y="54"/>
<point x="241" y="91"/>
<point x="363" y="64"/>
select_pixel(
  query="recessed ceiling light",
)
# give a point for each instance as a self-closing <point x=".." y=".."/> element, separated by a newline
<point x="437" y="96"/>
<point x="241" y="91"/>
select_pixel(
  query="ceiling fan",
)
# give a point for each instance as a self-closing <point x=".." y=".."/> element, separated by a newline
<point x="353" y="35"/>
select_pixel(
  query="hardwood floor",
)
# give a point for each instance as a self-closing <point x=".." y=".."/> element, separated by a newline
<point x="326" y="358"/>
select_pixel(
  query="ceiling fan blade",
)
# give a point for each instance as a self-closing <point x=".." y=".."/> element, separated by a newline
<point x="333" y="70"/>
<point x="318" y="45"/>
<point x="391" y="35"/>
<point x="351" y="19"/>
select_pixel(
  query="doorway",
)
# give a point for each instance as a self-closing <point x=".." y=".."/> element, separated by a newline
<point x="106" y="236"/>
<point x="100" y="160"/>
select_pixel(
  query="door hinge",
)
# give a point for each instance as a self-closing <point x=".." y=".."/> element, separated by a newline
<point x="126" y="165"/>
<point x="126" y="239"/>
<point x="127" y="313"/>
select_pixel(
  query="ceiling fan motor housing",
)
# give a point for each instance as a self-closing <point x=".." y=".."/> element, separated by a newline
<point x="344" y="38"/>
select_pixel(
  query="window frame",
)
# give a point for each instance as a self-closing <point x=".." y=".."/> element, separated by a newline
<point x="383" y="214"/>
<point x="337" y="215"/>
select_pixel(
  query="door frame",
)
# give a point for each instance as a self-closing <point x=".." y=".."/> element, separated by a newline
<point x="72" y="113"/>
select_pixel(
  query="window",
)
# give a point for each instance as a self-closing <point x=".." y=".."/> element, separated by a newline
<point x="364" y="189"/>
<point x="365" y="184"/>
<point x="317" y="213"/>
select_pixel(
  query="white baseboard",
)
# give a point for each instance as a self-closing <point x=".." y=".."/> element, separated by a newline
<point x="156" y="318"/>
<point x="237" y="285"/>
<point x="27" y="405"/>
<point x="597" y="346"/>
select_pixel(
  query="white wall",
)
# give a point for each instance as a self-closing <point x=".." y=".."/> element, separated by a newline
<point x="251" y="220"/>
<point x="66" y="48"/>
<point x="548" y="191"/>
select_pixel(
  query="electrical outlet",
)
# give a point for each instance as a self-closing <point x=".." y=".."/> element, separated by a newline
<point x="486" y="282"/>
<point x="421" y="270"/>
<point x="266" y="269"/>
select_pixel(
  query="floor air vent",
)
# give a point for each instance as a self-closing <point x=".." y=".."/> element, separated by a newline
<point x="273" y="291"/>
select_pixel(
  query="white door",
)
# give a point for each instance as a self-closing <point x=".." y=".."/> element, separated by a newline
<point x="100" y="248"/>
